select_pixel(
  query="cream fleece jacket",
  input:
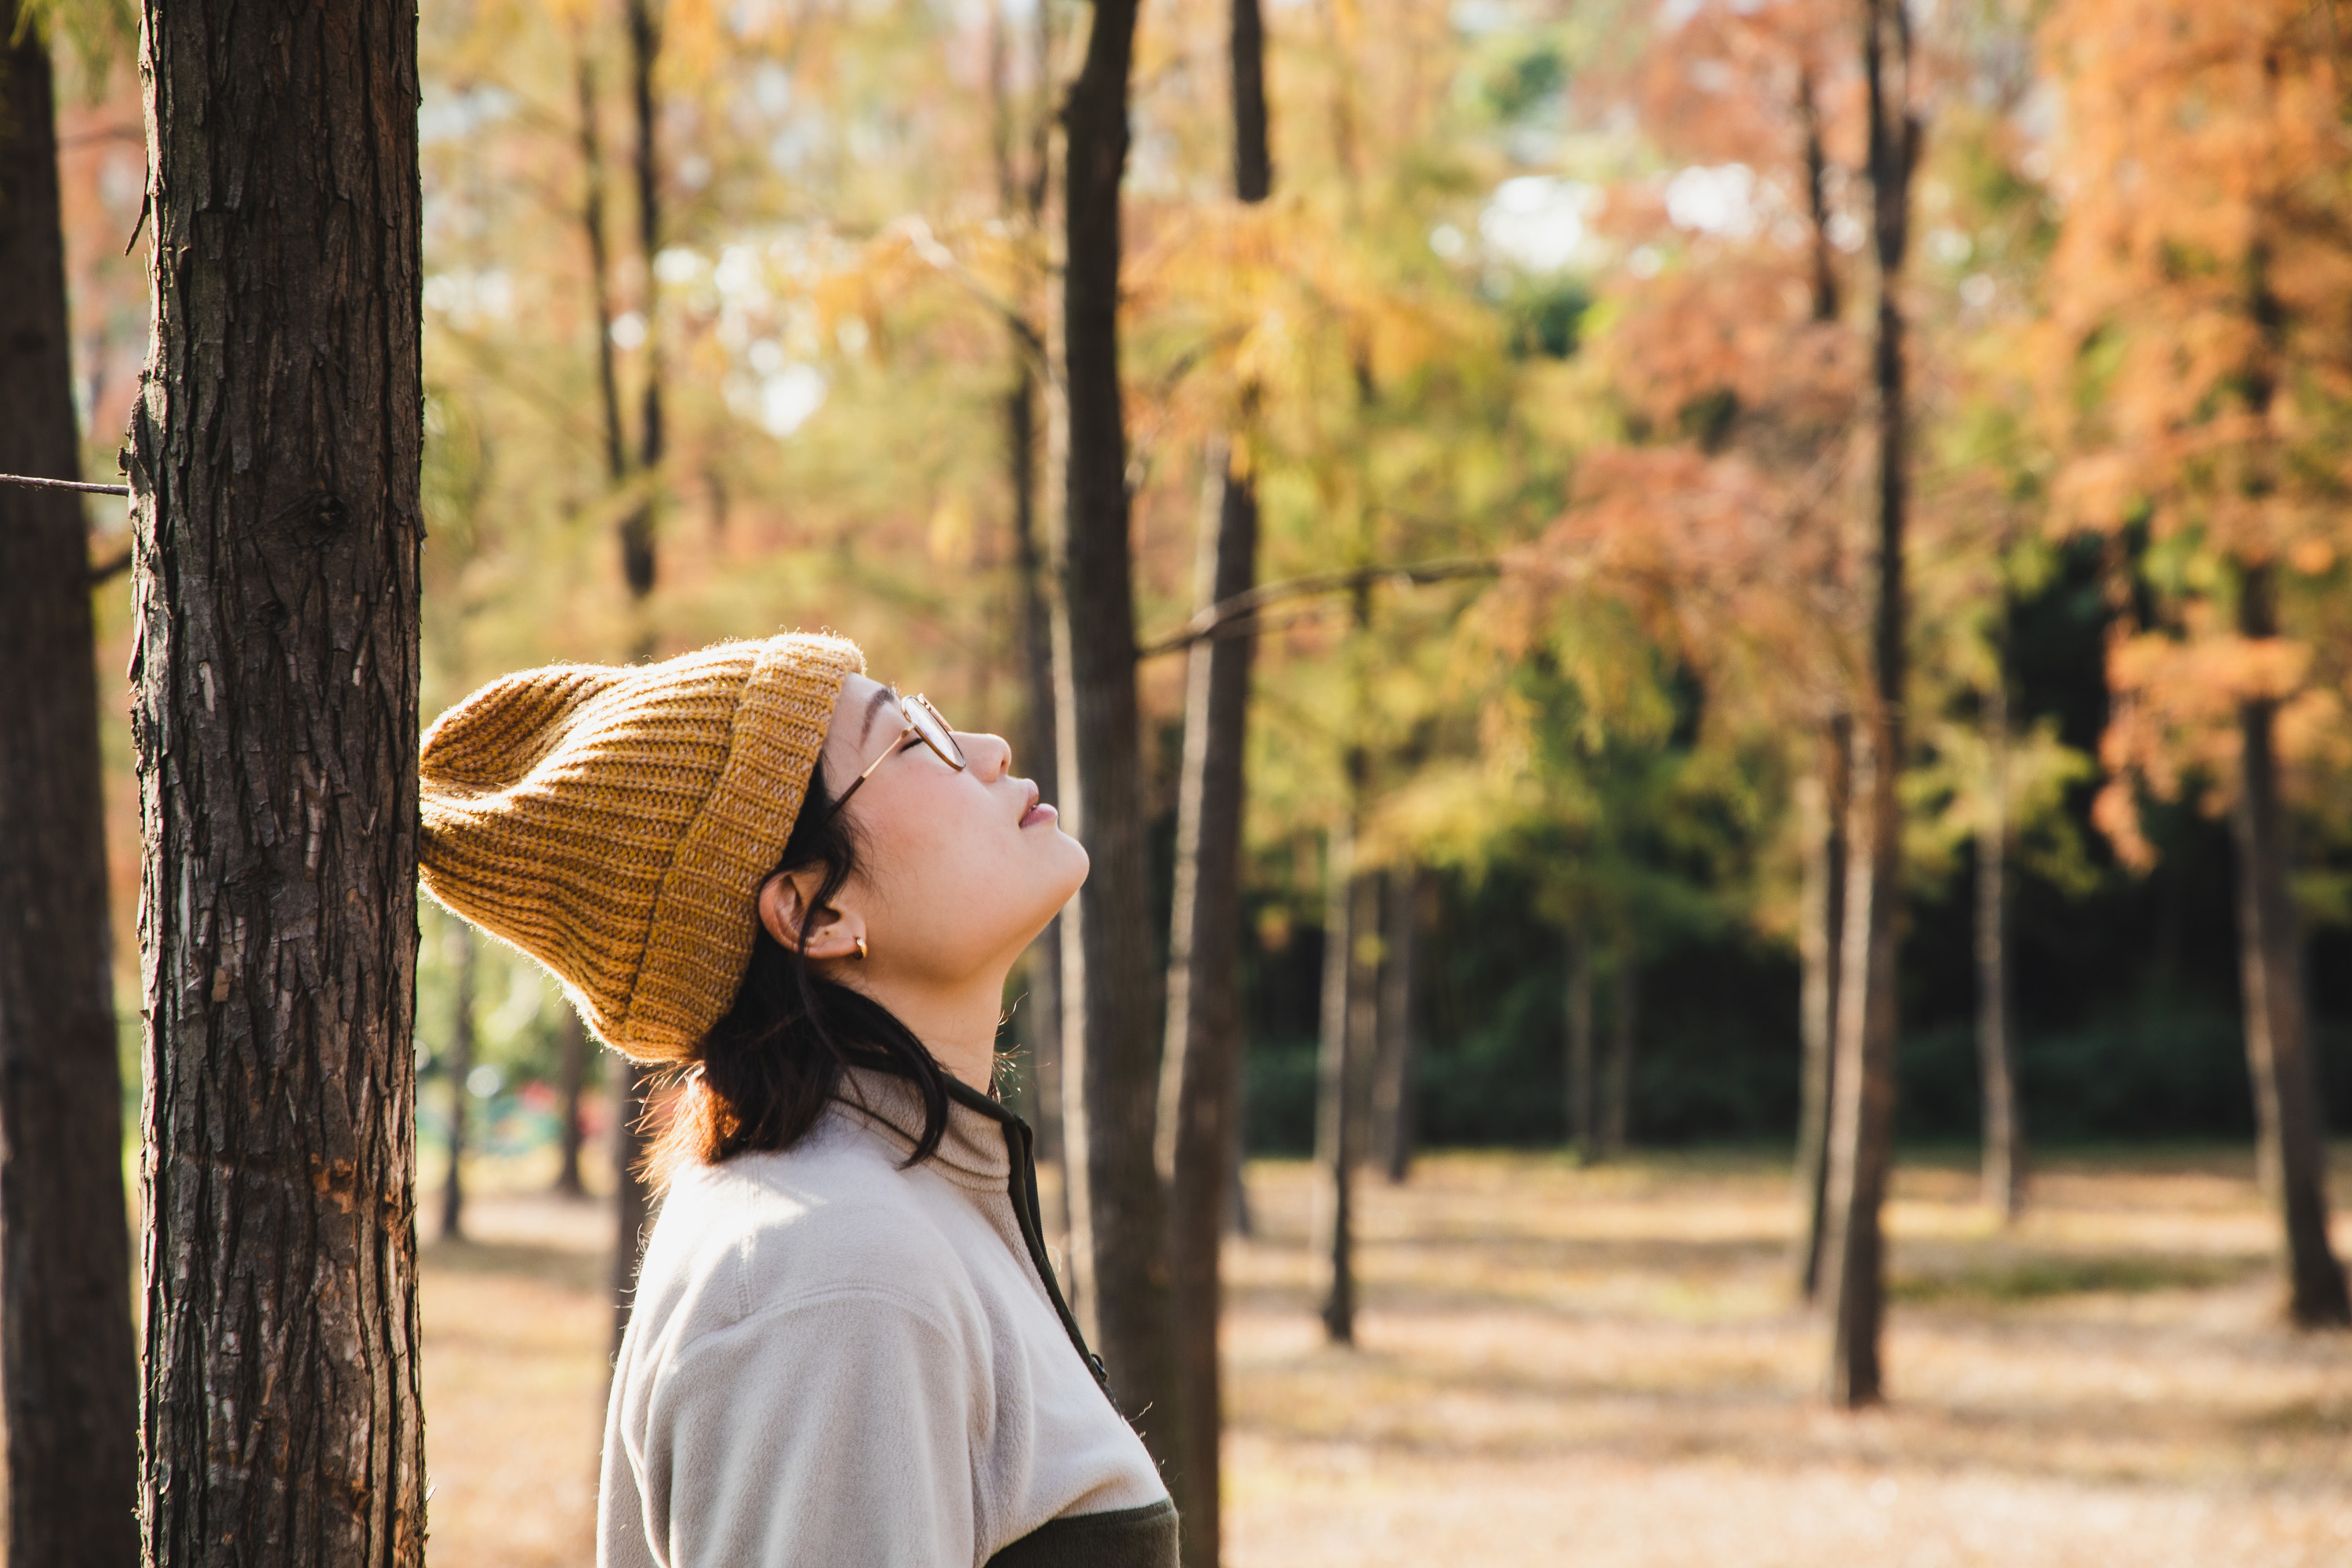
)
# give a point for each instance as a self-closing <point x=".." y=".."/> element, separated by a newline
<point x="834" y="1361"/>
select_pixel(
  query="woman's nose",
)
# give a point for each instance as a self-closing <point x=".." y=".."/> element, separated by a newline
<point x="990" y="756"/>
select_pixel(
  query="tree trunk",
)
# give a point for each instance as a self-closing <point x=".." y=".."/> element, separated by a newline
<point x="632" y="1101"/>
<point x="1583" y="1103"/>
<point x="1039" y="746"/>
<point x="573" y="1085"/>
<point x="570" y="1090"/>
<point x="1110" y="1042"/>
<point x="636" y="528"/>
<point x="1200" y="1077"/>
<point x="1862" y="1103"/>
<point x="1624" y="1032"/>
<point x="2278" y="1032"/>
<point x="461" y="1070"/>
<point x="1822" y="803"/>
<point x="1393" y="1085"/>
<point x="1021" y="200"/>
<point x="634" y="1210"/>
<point x="2004" y="1134"/>
<point x="68" y="1373"/>
<point x="1335" y="1074"/>
<point x="275" y="469"/>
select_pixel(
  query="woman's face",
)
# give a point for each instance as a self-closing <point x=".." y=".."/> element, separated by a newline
<point x="957" y="870"/>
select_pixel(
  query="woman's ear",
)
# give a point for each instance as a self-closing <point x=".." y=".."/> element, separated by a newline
<point x="783" y="910"/>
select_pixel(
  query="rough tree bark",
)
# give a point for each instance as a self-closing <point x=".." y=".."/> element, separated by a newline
<point x="1862" y="1102"/>
<point x="2004" y="1131"/>
<point x="461" y="1069"/>
<point x="1394" y="1102"/>
<point x="1110" y="1043"/>
<point x="68" y="1373"/>
<point x="2277" y="1012"/>
<point x="274" y="470"/>
<point x="1583" y="1103"/>
<point x="1200" y="1084"/>
<point x="1624" y="1037"/>
<point x="1822" y="804"/>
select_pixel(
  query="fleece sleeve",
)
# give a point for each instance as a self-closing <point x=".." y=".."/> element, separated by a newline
<point x="830" y="1431"/>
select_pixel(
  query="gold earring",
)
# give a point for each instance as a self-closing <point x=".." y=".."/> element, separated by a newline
<point x="861" y="945"/>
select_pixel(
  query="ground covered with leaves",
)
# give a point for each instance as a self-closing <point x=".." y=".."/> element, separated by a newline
<point x="1605" y="1366"/>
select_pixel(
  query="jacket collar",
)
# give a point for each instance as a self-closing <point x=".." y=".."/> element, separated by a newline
<point x="975" y="1146"/>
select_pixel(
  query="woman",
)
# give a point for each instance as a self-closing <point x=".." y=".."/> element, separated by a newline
<point x="759" y="866"/>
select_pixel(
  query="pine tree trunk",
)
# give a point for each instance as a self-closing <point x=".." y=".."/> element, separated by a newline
<point x="1625" y="1033"/>
<point x="2278" y="1028"/>
<point x="1823" y="806"/>
<point x="1584" y="1098"/>
<point x="2004" y="1133"/>
<point x="68" y="1373"/>
<point x="275" y="467"/>
<point x="1393" y="1083"/>
<point x="1110" y="1042"/>
<point x="461" y="1070"/>
<point x="1201" y="1073"/>
<point x="1862" y="1103"/>
<point x="572" y="1088"/>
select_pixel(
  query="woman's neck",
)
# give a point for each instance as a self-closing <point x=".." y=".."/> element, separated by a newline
<point x="958" y="1023"/>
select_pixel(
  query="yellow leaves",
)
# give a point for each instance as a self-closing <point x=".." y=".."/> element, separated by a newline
<point x="951" y="533"/>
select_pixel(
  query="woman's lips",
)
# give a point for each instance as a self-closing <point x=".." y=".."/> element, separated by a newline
<point x="1038" y="812"/>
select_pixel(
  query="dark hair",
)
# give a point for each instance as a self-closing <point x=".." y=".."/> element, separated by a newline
<point x="767" y="1070"/>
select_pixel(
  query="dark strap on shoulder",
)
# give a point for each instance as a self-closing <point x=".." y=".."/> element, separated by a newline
<point x="1126" y="1538"/>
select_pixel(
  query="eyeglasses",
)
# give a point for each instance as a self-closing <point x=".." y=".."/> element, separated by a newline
<point x="923" y="724"/>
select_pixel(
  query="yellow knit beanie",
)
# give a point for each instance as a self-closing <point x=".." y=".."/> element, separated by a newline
<point x="615" y="822"/>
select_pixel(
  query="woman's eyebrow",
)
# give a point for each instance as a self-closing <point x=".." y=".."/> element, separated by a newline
<point x="873" y="706"/>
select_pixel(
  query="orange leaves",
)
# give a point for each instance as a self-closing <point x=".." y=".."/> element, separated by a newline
<point x="1719" y="561"/>
<point x="2175" y="723"/>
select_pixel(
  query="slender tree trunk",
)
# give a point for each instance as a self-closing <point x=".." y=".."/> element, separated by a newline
<point x="1822" y="806"/>
<point x="68" y="1373"/>
<point x="1624" y="1035"/>
<point x="1817" y="199"/>
<point x="461" y="1069"/>
<point x="2004" y="1131"/>
<point x="600" y="263"/>
<point x="1199" y="1075"/>
<point x="574" y="1068"/>
<point x="1335" y="1101"/>
<point x="1861" y="1106"/>
<point x="2277" y="1027"/>
<point x="275" y="469"/>
<point x="572" y="1088"/>
<point x="1583" y="1103"/>
<point x="632" y="1102"/>
<point x="1110" y="1043"/>
<point x="1393" y="1085"/>
<point x="632" y="1212"/>
<point x="636" y="528"/>
<point x="1022" y="201"/>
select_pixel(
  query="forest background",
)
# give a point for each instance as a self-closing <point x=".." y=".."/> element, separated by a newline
<point x="1516" y="246"/>
<point x="1550" y="360"/>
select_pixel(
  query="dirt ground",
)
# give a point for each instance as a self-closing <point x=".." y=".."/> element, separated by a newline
<point x="1604" y="1367"/>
